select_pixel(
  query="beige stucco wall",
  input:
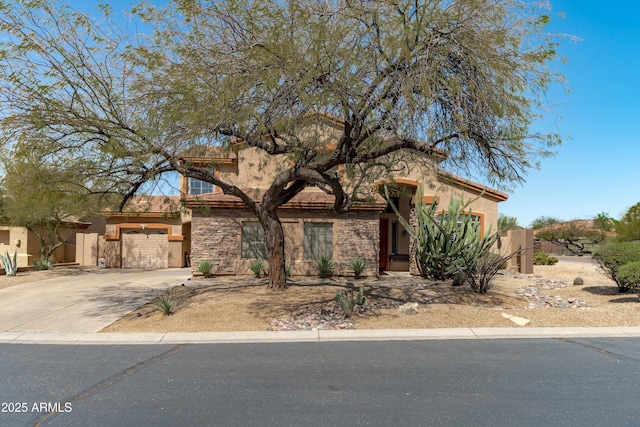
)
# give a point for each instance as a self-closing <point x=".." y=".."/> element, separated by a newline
<point x="14" y="240"/>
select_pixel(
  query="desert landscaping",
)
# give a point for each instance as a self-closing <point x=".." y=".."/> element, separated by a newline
<point x="546" y="298"/>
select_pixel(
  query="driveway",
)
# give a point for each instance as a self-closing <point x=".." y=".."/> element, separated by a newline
<point x="86" y="302"/>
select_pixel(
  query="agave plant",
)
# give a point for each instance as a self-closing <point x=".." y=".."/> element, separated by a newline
<point x="257" y="267"/>
<point x="165" y="303"/>
<point x="205" y="266"/>
<point x="325" y="267"/>
<point x="10" y="263"/>
<point x="43" y="263"/>
<point x="358" y="265"/>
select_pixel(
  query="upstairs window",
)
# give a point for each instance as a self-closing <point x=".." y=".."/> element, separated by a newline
<point x="196" y="186"/>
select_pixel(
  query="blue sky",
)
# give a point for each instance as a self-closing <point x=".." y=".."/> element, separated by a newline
<point x="597" y="167"/>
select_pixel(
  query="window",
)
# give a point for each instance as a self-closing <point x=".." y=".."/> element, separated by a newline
<point x="196" y="186"/>
<point x="5" y="237"/>
<point x="396" y="202"/>
<point x="253" y="241"/>
<point x="318" y="240"/>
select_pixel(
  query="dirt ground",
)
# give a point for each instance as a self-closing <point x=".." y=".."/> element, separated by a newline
<point x="244" y="303"/>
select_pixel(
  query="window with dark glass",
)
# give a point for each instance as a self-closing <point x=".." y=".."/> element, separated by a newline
<point x="318" y="240"/>
<point x="253" y="242"/>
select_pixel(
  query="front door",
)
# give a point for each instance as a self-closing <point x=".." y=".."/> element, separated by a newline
<point x="384" y="244"/>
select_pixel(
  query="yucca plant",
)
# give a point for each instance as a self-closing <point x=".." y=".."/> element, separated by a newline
<point x="257" y="267"/>
<point x="347" y="301"/>
<point x="10" y="263"/>
<point x="43" y="263"/>
<point x="325" y="267"/>
<point x="358" y="265"/>
<point x="205" y="266"/>
<point x="165" y="303"/>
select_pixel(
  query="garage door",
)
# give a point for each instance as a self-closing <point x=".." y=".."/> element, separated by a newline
<point x="145" y="249"/>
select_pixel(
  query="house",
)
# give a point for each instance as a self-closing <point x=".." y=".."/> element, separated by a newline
<point x="150" y="232"/>
<point x="225" y="232"/>
<point x="27" y="246"/>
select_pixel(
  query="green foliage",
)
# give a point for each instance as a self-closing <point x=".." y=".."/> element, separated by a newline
<point x="628" y="227"/>
<point x="121" y="108"/>
<point x="205" y="266"/>
<point x="287" y="271"/>
<point x="347" y="301"/>
<point x="44" y="263"/>
<point x="630" y="275"/>
<point x="506" y="223"/>
<point x="544" y="221"/>
<point x="257" y="267"/>
<point x="9" y="263"/>
<point x="577" y="236"/>
<point x="543" y="258"/>
<point x="165" y="302"/>
<point x="603" y="222"/>
<point x="325" y="267"/>
<point x="446" y="244"/>
<point x="612" y="256"/>
<point x="358" y="265"/>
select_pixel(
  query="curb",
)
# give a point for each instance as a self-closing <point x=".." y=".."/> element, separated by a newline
<point x="90" y="338"/>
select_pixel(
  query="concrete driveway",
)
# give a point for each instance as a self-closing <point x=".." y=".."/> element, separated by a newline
<point x="85" y="302"/>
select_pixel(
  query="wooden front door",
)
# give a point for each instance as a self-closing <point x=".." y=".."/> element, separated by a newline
<point x="384" y="244"/>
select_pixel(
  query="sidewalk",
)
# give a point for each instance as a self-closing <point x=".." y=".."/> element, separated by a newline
<point x="80" y="338"/>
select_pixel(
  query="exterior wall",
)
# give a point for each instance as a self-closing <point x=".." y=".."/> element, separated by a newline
<point x="14" y="240"/>
<point x="217" y="236"/>
<point x="518" y="240"/>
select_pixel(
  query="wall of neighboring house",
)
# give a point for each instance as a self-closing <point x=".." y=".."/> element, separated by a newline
<point x="14" y="240"/>
<point x="217" y="236"/>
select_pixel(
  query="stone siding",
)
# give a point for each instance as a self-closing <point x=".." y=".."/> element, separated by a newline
<point x="216" y="237"/>
<point x="358" y="237"/>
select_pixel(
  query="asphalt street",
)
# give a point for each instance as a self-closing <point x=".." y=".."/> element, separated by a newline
<point x="511" y="382"/>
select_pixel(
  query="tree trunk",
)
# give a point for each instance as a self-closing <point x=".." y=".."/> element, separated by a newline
<point x="274" y="236"/>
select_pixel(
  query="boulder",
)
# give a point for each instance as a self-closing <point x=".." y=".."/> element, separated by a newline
<point x="409" y="308"/>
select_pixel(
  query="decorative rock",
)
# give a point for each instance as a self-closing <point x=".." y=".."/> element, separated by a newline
<point x="520" y="321"/>
<point x="578" y="281"/>
<point x="409" y="308"/>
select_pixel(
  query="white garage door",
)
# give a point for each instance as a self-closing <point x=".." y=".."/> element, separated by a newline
<point x="145" y="249"/>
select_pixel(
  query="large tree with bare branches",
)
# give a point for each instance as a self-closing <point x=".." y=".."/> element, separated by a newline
<point x="132" y="95"/>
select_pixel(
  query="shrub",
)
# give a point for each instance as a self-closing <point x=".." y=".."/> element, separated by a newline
<point x="287" y="271"/>
<point x="630" y="274"/>
<point x="43" y="263"/>
<point x="481" y="273"/>
<point x="205" y="266"/>
<point x="258" y="267"/>
<point x="325" y="267"/>
<point x="347" y="301"/>
<point x="165" y="302"/>
<point x="446" y="244"/>
<point x="543" y="258"/>
<point x="9" y="263"/>
<point x="612" y="256"/>
<point x="358" y="265"/>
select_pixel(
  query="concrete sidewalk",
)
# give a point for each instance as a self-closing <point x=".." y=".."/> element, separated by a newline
<point x="314" y="336"/>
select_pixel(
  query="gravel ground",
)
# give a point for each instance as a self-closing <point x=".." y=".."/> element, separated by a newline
<point x="243" y="303"/>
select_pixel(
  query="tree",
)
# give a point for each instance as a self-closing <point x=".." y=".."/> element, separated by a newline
<point x="628" y="227"/>
<point x="603" y="222"/>
<point x="544" y="221"/>
<point x="506" y="223"/>
<point x="576" y="236"/>
<point x="406" y="79"/>
<point x="44" y="199"/>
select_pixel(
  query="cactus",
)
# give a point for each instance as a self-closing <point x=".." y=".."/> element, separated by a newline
<point x="347" y="301"/>
<point x="10" y="264"/>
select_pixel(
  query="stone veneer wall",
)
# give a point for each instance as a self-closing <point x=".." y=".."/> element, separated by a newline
<point x="215" y="236"/>
<point x="358" y="237"/>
